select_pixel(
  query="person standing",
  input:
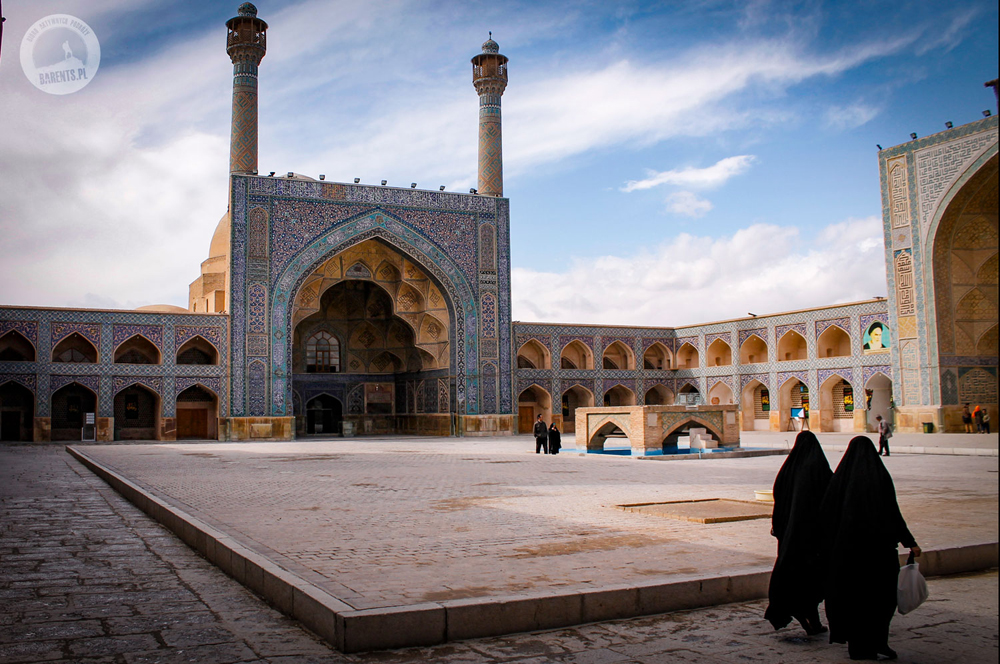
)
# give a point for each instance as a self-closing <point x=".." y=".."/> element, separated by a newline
<point x="862" y="525"/>
<point x="977" y="415"/>
<point x="796" y="587"/>
<point x="967" y="418"/>
<point x="555" y="439"/>
<point x="884" y="434"/>
<point x="541" y="436"/>
<point x="986" y="421"/>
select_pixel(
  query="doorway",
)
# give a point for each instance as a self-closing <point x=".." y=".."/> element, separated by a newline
<point x="324" y="415"/>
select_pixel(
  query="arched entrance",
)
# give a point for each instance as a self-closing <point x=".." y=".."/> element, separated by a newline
<point x="791" y="347"/>
<point x="755" y="402"/>
<point x="533" y="355"/>
<point x="834" y="342"/>
<point x="719" y="354"/>
<point x="532" y="402"/>
<point x="573" y="398"/>
<point x="373" y="332"/>
<point x="618" y="356"/>
<point x="656" y="357"/>
<point x="137" y="350"/>
<point x="324" y="415"/>
<point x="687" y="357"/>
<point x="794" y="397"/>
<point x="70" y="404"/>
<point x="137" y="414"/>
<point x="75" y="348"/>
<point x="878" y="396"/>
<point x="720" y="394"/>
<point x="753" y="350"/>
<point x="17" y="412"/>
<point x="836" y="405"/>
<point x="197" y="351"/>
<point x="674" y="436"/>
<point x="197" y="414"/>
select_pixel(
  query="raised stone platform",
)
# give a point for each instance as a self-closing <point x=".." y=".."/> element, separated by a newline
<point x="384" y="543"/>
<point x="650" y="429"/>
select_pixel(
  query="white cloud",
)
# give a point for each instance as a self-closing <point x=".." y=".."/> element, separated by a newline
<point x="687" y="204"/>
<point x="706" y="178"/>
<point x="692" y="279"/>
<point x="850" y="117"/>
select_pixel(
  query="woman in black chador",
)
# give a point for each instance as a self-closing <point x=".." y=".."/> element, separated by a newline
<point x="796" y="582"/>
<point x="555" y="439"/>
<point x="862" y="526"/>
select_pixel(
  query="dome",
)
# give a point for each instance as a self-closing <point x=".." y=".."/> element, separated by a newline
<point x="490" y="46"/>
<point x="220" y="239"/>
<point x="247" y="9"/>
<point x="163" y="309"/>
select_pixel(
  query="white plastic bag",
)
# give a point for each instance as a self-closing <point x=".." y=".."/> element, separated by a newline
<point x="911" y="591"/>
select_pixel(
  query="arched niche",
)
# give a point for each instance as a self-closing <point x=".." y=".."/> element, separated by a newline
<point x="833" y="342"/>
<point x="576" y="355"/>
<point x="17" y="412"/>
<point x="610" y="430"/>
<point x="573" y="398"/>
<point x="756" y="405"/>
<point x="75" y="348"/>
<point x="753" y="350"/>
<point x="619" y="395"/>
<point x="836" y="405"/>
<point x="197" y="350"/>
<point x="719" y="354"/>
<point x="687" y="357"/>
<point x="532" y="402"/>
<point x="323" y="352"/>
<point x="618" y="356"/>
<point x="137" y="349"/>
<point x="791" y="347"/>
<point x="656" y="357"/>
<point x="68" y="410"/>
<point x="324" y="415"/>
<point x="720" y="394"/>
<point x="659" y="395"/>
<point x="533" y="355"/>
<point x="197" y="414"/>
<point x="15" y="347"/>
<point x="137" y="413"/>
<point x="671" y="439"/>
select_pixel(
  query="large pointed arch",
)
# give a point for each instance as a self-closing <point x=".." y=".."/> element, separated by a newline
<point x="380" y="225"/>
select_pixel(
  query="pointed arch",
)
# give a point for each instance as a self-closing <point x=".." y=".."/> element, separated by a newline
<point x="573" y="397"/>
<point x="576" y="355"/>
<point x="197" y="413"/>
<point x="833" y="342"/>
<point x="197" y="350"/>
<point x="836" y="403"/>
<point x="721" y="391"/>
<point x="619" y="395"/>
<point x="324" y="414"/>
<point x="323" y="353"/>
<point x="753" y="350"/>
<point x="756" y="403"/>
<point x="656" y="357"/>
<point x="75" y="348"/>
<point x="67" y="407"/>
<point x="17" y="415"/>
<point x="532" y="401"/>
<point x="618" y="355"/>
<point x="719" y="354"/>
<point x="658" y="395"/>
<point x="792" y="393"/>
<point x="671" y="435"/>
<point x="792" y="346"/>
<point x="15" y="347"/>
<point x="533" y="355"/>
<point x="687" y="357"/>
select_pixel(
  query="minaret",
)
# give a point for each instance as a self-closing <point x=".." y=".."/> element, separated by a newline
<point x="489" y="75"/>
<point x="245" y="44"/>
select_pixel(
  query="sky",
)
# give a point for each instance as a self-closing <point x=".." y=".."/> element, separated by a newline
<point x="667" y="163"/>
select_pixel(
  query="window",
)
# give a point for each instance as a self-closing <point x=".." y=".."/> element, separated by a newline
<point x="323" y="353"/>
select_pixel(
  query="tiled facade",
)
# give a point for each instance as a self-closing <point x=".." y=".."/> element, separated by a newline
<point x="942" y="271"/>
<point x="106" y="330"/>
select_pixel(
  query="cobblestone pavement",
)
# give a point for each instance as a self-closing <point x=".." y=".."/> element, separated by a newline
<point x="86" y="577"/>
<point x="497" y="519"/>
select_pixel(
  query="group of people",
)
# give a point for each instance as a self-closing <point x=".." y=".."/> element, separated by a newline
<point x="547" y="439"/>
<point x="979" y="415"/>
<point x="837" y="538"/>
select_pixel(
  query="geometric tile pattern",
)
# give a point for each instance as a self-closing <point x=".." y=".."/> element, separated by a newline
<point x="152" y="333"/>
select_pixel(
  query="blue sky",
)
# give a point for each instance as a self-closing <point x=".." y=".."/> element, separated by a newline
<point x="667" y="163"/>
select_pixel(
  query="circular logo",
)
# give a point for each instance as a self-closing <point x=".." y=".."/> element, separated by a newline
<point x="60" y="54"/>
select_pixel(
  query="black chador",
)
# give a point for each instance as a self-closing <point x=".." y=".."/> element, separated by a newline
<point x="796" y="583"/>
<point x="862" y="526"/>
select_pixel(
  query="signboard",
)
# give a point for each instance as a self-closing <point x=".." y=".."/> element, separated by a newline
<point x="765" y="400"/>
<point x="848" y="399"/>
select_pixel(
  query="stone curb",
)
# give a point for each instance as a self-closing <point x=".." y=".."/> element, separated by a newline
<point x="900" y="449"/>
<point x="352" y="630"/>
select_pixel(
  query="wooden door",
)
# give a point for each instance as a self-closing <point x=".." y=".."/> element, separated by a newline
<point x="525" y="419"/>
<point x="192" y="423"/>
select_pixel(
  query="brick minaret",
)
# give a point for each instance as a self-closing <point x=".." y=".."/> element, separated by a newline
<point x="489" y="75"/>
<point x="245" y="44"/>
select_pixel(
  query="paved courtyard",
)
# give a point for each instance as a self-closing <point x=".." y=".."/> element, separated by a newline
<point x="86" y="577"/>
<point x="383" y="523"/>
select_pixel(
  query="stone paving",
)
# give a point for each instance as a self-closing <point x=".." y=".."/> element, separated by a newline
<point x="86" y="577"/>
<point x="396" y="522"/>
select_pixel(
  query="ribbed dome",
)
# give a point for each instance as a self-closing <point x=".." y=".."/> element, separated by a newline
<point x="490" y="46"/>
<point x="247" y="9"/>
